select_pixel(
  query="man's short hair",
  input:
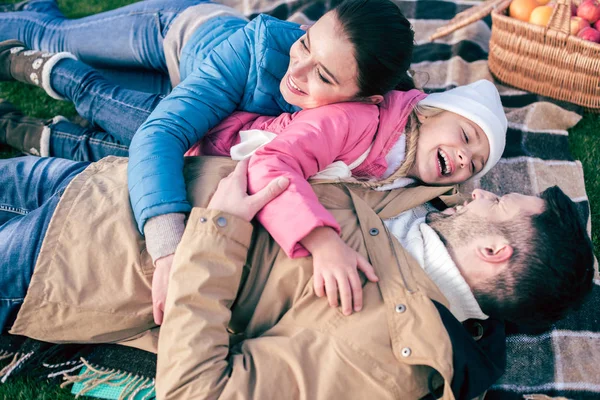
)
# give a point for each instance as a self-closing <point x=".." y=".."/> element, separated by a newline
<point x="552" y="267"/>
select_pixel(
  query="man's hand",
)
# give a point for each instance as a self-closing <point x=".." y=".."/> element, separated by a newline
<point x="231" y="197"/>
<point x="232" y="194"/>
<point x="160" y="284"/>
<point x="336" y="268"/>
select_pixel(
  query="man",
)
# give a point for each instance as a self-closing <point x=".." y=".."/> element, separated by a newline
<point x="242" y="320"/>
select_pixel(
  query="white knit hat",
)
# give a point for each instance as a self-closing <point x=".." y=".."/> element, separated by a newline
<point x="480" y="103"/>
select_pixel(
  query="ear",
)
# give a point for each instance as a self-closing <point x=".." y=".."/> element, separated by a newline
<point x="496" y="253"/>
<point x="375" y="99"/>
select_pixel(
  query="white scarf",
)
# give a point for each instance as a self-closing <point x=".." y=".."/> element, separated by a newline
<point x="426" y="247"/>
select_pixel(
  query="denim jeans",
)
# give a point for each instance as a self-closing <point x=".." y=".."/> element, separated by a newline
<point x="115" y="113"/>
<point x="113" y="100"/>
<point x="127" y="37"/>
<point x="30" y="188"/>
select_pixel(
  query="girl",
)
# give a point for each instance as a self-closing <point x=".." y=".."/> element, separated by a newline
<point x="440" y="139"/>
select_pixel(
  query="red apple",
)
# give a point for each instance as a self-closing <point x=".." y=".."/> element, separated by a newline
<point x="589" y="10"/>
<point x="590" y="34"/>
<point x="577" y="24"/>
<point x="597" y="25"/>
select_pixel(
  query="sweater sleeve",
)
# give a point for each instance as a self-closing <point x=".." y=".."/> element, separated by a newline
<point x="212" y="92"/>
<point x="313" y="140"/>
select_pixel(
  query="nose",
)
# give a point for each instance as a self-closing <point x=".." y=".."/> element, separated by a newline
<point x="464" y="157"/>
<point x="482" y="194"/>
<point x="300" y="67"/>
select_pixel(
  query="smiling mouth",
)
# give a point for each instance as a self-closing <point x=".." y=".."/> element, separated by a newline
<point x="293" y="87"/>
<point x="444" y="163"/>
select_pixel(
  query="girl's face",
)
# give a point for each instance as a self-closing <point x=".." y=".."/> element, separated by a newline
<point x="322" y="67"/>
<point x="450" y="150"/>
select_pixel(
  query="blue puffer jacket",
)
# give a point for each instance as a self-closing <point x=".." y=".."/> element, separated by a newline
<point x="242" y="73"/>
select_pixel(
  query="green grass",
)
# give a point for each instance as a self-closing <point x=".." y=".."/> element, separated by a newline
<point x="584" y="140"/>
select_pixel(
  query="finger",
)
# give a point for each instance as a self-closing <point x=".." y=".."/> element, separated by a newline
<point x="366" y="268"/>
<point x="240" y="173"/>
<point x="345" y="294"/>
<point x="318" y="284"/>
<point x="332" y="292"/>
<point x="357" y="293"/>
<point x="157" y="312"/>
<point x="269" y="192"/>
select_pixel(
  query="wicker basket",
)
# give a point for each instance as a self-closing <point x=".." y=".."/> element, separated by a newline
<point x="543" y="60"/>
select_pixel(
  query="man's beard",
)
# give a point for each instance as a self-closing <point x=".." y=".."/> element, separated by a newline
<point x="459" y="229"/>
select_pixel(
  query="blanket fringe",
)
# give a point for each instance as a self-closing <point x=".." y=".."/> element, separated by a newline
<point x="18" y="360"/>
<point x="96" y="376"/>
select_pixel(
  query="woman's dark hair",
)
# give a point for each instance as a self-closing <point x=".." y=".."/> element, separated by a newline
<point x="383" y="44"/>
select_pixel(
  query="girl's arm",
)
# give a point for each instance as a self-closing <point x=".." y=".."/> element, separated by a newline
<point x="296" y="219"/>
<point x="313" y="140"/>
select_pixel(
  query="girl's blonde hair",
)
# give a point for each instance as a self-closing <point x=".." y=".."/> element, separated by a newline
<point x="412" y="131"/>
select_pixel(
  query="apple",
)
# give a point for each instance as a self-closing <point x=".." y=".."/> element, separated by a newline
<point x="597" y="25"/>
<point x="577" y="24"/>
<point x="589" y="10"/>
<point x="590" y="34"/>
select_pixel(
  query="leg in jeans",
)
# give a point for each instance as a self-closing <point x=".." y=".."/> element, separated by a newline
<point x="30" y="189"/>
<point x="111" y="107"/>
<point x="71" y="141"/>
<point x="128" y="37"/>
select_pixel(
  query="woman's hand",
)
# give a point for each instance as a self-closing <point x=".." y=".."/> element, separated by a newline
<point x="335" y="269"/>
<point x="232" y="193"/>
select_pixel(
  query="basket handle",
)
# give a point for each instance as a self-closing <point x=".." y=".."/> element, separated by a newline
<point x="466" y="17"/>
<point x="561" y="17"/>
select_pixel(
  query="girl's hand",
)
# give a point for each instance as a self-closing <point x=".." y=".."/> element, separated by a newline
<point x="335" y="269"/>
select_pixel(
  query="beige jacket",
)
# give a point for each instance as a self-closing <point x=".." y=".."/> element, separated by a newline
<point x="93" y="277"/>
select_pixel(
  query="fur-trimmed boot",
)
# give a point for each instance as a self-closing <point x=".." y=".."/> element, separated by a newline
<point x="29" y="66"/>
<point x="27" y="134"/>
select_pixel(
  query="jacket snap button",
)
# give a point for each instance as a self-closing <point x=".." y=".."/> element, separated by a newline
<point x="406" y="352"/>
<point x="374" y="232"/>
<point x="221" y="221"/>
<point x="400" y="308"/>
<point x="203" y="220"/>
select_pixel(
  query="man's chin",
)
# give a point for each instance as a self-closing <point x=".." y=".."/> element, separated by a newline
<point x="436" y="216"/>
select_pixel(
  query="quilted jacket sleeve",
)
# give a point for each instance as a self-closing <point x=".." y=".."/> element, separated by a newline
<point x="313" y="140"/>
<point x="203" y="99"/>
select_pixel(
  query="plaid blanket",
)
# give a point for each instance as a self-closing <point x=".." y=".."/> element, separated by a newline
<point x="560" y="362"/>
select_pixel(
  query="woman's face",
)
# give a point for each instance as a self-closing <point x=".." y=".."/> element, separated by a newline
<point x="322" y="67"/>
<point x="450" y="149"/>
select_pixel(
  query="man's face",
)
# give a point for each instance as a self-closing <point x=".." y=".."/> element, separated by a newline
<point x="486" y="207"/>
<point x="473" y="235"/>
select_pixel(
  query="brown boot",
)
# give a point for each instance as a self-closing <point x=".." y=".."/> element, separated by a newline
<point x="27" y="134"/>
<point x="29" y="66"/>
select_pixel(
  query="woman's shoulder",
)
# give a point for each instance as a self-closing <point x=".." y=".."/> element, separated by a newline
<point x="273" y="32"/>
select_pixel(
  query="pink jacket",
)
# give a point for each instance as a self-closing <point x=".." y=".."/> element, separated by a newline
<point x="308" y="141"/>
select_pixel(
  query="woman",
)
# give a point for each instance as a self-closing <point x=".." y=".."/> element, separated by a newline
<point x="266" y="66"/>
<point x="147" y="35"/>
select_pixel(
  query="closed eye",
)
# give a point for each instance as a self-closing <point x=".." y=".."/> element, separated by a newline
<point x="465" y="136"/>
<point x="325" y="80"/>
<point x="303" y="43"/>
